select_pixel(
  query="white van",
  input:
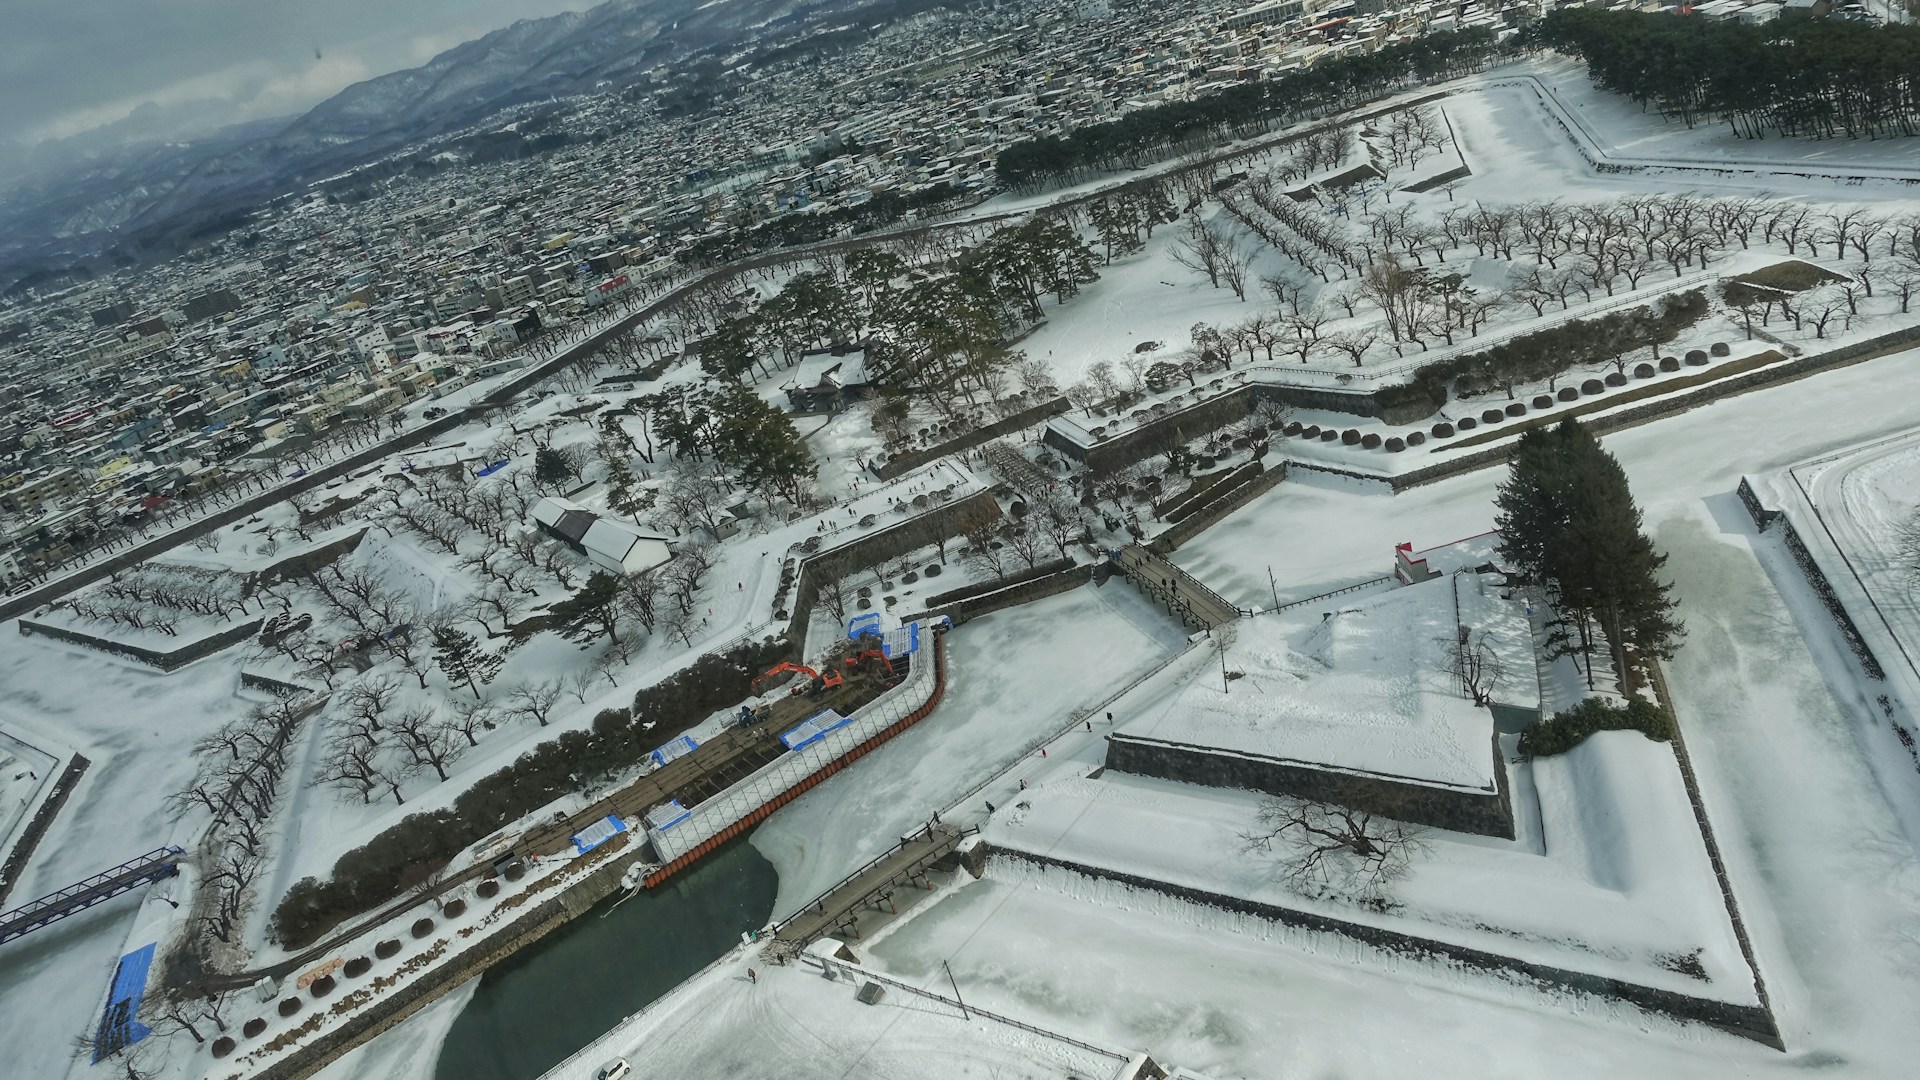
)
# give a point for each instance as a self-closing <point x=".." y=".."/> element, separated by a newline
<point x="617" y="1069"/>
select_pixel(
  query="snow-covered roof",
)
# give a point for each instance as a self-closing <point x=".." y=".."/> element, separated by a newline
<point x="613" y="545"/>
<point x="848" y="370"/>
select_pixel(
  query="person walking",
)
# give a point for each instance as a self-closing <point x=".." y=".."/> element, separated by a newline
<point x="1023" y="784"/>
<point x="1043" y="751"/>
<point x="1089" y="725"/>
<point x="1109" y="716"/>
<point x="989" y="809"/>
<point x="753" y="977"/>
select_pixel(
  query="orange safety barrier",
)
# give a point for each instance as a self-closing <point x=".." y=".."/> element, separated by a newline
<point x="760" y="813"/>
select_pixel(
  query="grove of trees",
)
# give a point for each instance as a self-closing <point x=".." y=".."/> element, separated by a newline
<point x="1145" y="135"/>
<point x="1809" y="78"/>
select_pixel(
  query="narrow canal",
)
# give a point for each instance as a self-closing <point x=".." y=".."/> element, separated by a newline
<point x="562" y="992"/>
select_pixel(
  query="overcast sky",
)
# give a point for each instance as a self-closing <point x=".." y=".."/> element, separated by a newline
<point x="70" y="65"/>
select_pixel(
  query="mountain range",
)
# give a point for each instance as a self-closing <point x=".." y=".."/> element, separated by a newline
<point x="135" y="202"/>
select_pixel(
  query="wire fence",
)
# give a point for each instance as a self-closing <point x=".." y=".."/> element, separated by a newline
<point x="841" y="967"/>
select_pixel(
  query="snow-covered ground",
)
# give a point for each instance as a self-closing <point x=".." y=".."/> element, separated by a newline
<point x="1606" y="875"/>
<point x="1365" y="689"/>
<point x="1821" y="854"/>
<point x="1011" y="676"/>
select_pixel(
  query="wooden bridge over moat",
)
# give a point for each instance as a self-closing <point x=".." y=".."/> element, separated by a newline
<point x="838" y="910"/>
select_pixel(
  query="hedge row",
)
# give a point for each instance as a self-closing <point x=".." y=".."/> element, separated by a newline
<point x="1569" y="729"/>
<point x="421" y="844"/>
<point x="1544" y="353"/>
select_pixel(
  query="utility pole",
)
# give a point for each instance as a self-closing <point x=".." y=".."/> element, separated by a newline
<point x="1271" y="584"/>
<point x="964" y="1015"/>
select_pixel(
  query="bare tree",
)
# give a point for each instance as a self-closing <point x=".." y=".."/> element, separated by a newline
<point x="1025" y="542"/>
<point x="469" y="718"/>
<point x="1907" y="548"/>
<point x="1204" y="250"/>
<point x="430" y="743"/>
<point x="640" y="597"/>
<point x="534" y="700"/>
<point x="1326" y="849"/>
<point x="351" y="764"/>
<point x="1471" y="659"/>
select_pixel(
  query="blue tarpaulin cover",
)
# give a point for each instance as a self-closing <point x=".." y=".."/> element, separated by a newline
<point x="901" y="641"/>
<point x="598" y="833"/>
<point x="814" y="728"/>
<point x="679" y="747"/>
<point x="863" y="624"/>
<point x="668" y="814"/>
<point x="118" y="1027"/>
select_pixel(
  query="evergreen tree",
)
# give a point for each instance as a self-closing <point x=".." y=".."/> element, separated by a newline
<point x="759" y="444"/>
<point x="1567" y="518"/>
<point x="462" y="659"/>
<point x="591" y="613"/>
<point x="551" y="469"/>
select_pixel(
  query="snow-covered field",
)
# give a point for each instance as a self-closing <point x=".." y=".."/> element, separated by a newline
<point x="1365" y="688"/>
<point x="1012" y="675"/>
<point x="1606" y="874"/>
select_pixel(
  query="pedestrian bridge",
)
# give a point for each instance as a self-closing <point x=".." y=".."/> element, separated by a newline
<point x="837" y="911"/>
<point x="81" y="895"/>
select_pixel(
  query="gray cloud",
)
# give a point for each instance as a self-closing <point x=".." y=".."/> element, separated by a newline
<point x="68" y="66"/>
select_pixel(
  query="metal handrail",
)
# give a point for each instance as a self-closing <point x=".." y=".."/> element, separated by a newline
<point x="827" y="964"/>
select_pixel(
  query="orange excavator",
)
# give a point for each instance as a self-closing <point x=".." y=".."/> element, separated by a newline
<point x="853" y="663"/>
<point x="815" y="681"/>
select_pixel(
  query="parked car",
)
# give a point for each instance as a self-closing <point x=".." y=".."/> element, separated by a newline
<point x="614" y="1070"/>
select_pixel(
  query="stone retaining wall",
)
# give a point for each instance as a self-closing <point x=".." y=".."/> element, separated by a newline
<point x="1217" y="506"/>
<point x="1026" y="418"/>
<point x="1816" y="577"/>
<point x="165" y="661"/>
<point x="1485" y="813"/>
<point x="874" y="548"/>
<point x="1747" y="1021"/>
<point x="37" y="828"/>
<point x="306" y="562"/>
<point x="1063" y="577"/>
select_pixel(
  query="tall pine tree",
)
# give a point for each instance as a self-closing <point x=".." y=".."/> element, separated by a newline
<point x="1567" y="519"/>
<point x="462" y="659"/>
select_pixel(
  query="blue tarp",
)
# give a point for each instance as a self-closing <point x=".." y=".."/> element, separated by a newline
<point x="598" y="833"/>
<point x="679" y="747"/>
<point x="863" y="624"/>
<point x="489" y="470"/>
<point x="668" y="814"/>
<point x="901" y="641"/>
<point x="814" y="728"/>
<point x="118" y="1027"/>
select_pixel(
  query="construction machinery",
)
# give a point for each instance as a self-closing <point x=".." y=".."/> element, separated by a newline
<point x="814" y="683"/>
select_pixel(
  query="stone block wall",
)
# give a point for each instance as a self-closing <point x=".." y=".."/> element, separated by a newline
<point x="165" y="661"/>
<point x="1487" y="813"/>
<point x="1748" y="1021"/>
